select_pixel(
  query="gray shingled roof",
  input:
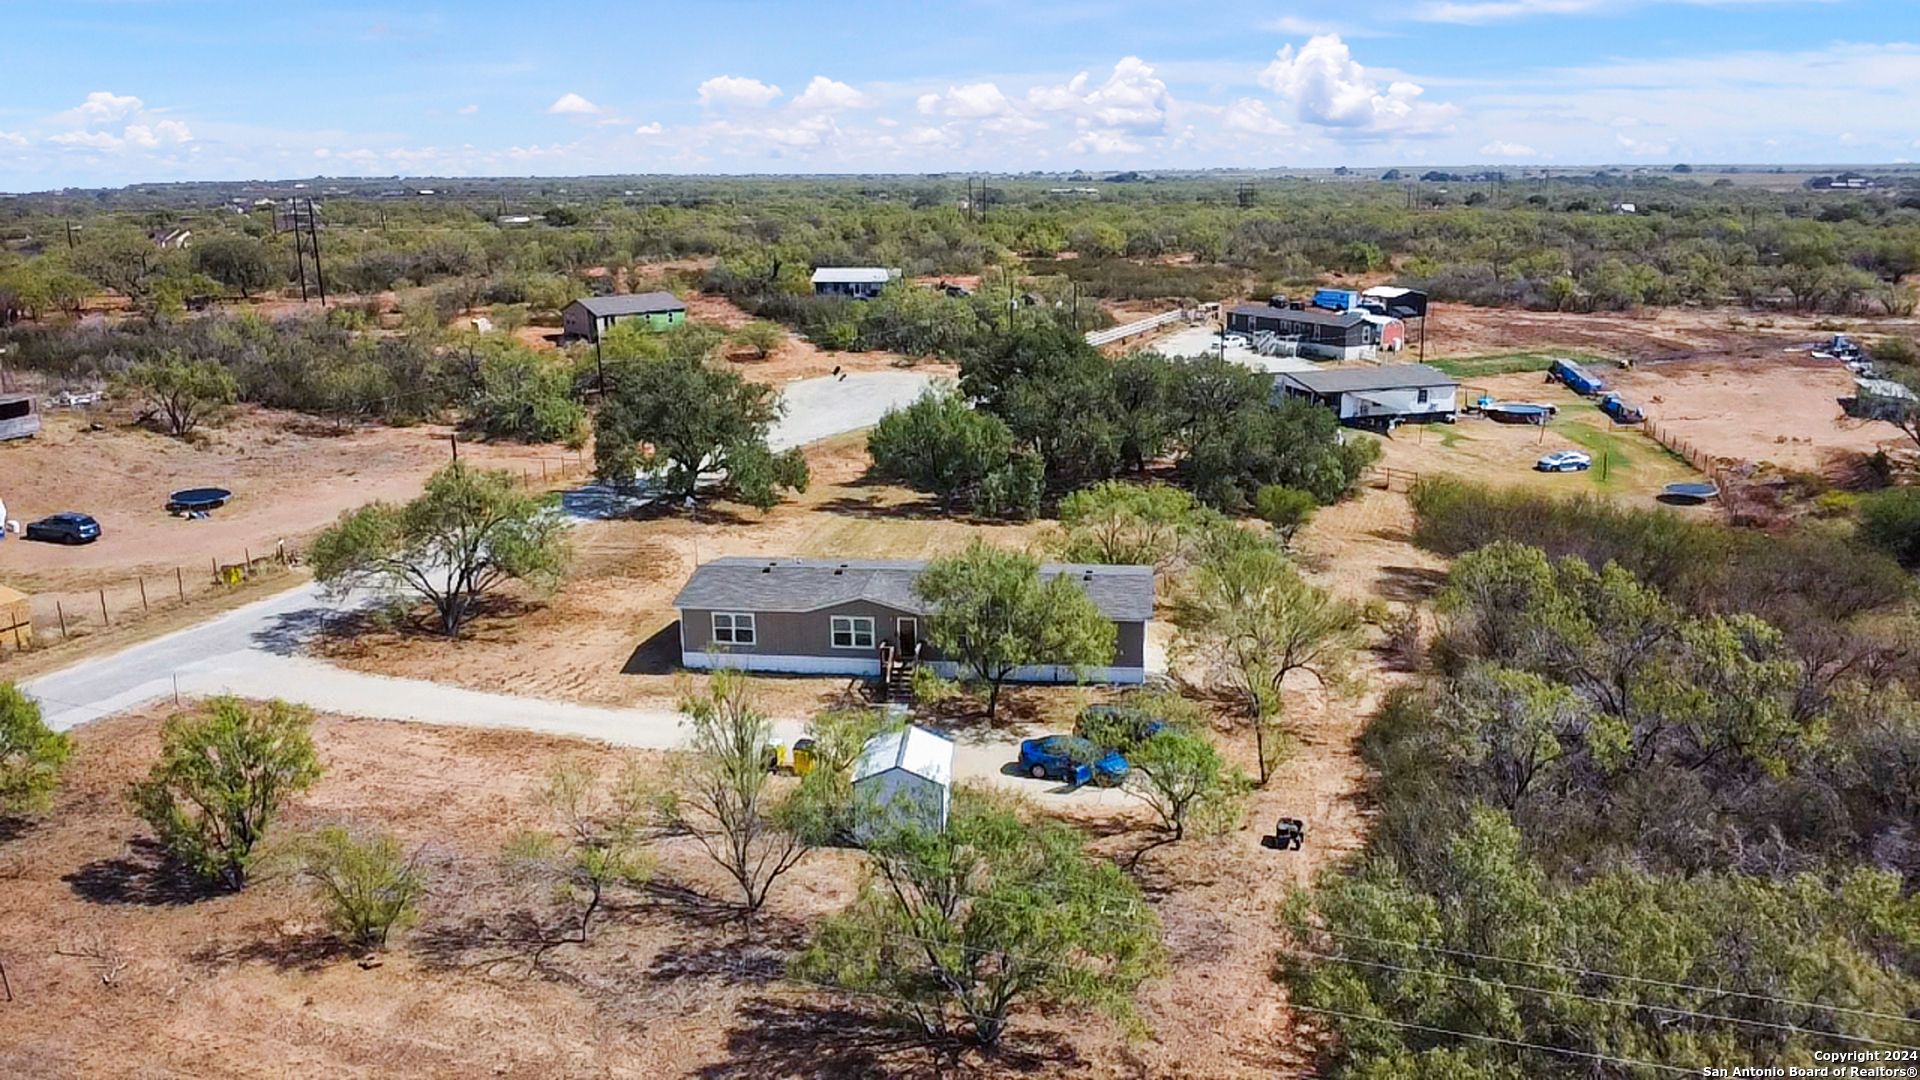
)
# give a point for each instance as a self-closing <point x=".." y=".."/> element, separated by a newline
<point x="1318" y="316"/>
<point x="647" y="303"/>
<point x="1360" y="379"/>
<point x="744" y="583"/>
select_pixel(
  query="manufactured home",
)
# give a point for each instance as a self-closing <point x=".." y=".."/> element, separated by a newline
<point x="852" y="617"/>
<point x="590" y="317"/>
<point x="858" y="282"/>
<point x="1326" y="335"/>
<point x="1376" y="396"/>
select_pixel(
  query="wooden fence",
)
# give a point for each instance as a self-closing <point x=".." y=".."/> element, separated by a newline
<point x="1706" y="463"/>
<point x="1382" y="476"/>
<point x="122" y="601"/>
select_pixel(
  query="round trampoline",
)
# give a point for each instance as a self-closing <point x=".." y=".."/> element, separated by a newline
<point x="1689" y="494"/>
<point x="200" y="500"/>
<point x="1517" y="412"/>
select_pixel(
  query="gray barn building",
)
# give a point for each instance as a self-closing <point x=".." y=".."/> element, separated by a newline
<point x="588" y="318"/>
<point x="1376" y="396"/>
<point x="841" y="617"/>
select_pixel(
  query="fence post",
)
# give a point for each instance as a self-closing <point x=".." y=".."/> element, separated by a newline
<point x="143" y="595"/>
<point x="249" y="554"/>
<point x="104" y="620"/>
<point x="62" y="613"/>
<point x="180" y="581"/>
<point x="215" y="560"/>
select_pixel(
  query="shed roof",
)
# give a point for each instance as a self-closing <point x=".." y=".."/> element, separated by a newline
<point x="1353" y="380"/>
<point x="1884" y="388"/>
<point x="647" y="303"/>
<point x="915" y="750"/>
<point x="1318" y="316"/>
<point x="1387" y="292"/>
<point x="854" y="275"/>
<point x="745" y="583"/>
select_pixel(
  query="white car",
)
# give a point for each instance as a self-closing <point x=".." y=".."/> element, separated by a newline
<point x="1565" y="461"/>
<point x="1235" y="341"/>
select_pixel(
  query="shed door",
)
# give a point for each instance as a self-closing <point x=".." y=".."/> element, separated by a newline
<point x="907" y="635"/>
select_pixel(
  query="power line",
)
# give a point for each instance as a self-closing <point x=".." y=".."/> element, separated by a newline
<point x="1624" y="978"/>
<point x="1518" y="1043"/>
<point x="1600" y="1000"/>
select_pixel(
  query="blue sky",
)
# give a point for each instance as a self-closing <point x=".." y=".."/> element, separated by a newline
<point x="99" y="92"/>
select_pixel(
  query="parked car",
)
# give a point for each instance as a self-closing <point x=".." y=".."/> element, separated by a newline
<point x="1117" y="726"/>
<point x="1565" y="461"/>
<point x="1073" y="759"/>
<point x="66" y="528"/>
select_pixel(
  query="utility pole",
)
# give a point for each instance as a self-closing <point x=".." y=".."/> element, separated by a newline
<point x="299" y="253"/>
<point x="313" y="232"/>
<point x="69" y="234"/>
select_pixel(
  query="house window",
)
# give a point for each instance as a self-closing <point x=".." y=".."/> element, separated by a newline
<point x="1423" y="397"/>
<point x="732" y="629"/>
<point x="852" y="632"/>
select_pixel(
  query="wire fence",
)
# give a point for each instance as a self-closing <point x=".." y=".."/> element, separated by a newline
<point x="1708" y="465"/>
<point x="64" y="614"/>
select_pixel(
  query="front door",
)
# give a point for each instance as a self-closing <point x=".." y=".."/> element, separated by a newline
<point x="907" y="636"/>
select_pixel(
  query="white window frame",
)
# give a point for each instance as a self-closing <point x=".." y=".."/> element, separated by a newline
<point x="853" y="625"/>
<point x="737" y="621"/>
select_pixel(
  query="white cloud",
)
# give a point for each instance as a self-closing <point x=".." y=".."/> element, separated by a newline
<point x="886" y="121"/>
<point x="1131" y="99"/>
<point x="1104" y="142"/>
<point x="1059" y="98"/>
<point x="165" y="131"/>
<point x="930" y="137"/>
<point x="573" y="104"/>
<point x="736" y="90"/>
<point x="826" y="94"/>
<point x="974" y="101"/>
<point x="1251" y="115"/>
<point x="1641" y="148"/>
<point x="323" y="152"/>
<point x="99" y="140"/>
<point x="812" y="131"/>
<point x="649" y="129"/>
<point x="12" y="139"/>
<point x="1013" y="125"/>
<point x="1326" y="86"/>
<point x="102" y="106"/>
<point x="1502" y="148"/>
<point x="469" y="110"/>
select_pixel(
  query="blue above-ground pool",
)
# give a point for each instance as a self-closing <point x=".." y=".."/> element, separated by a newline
<point x="1517" y="412"/>
<point x="201" y="499"/>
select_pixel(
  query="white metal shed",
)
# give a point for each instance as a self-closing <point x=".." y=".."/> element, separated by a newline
<point x="903" y="772"/>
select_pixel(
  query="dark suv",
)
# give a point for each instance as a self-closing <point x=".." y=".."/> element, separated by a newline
<point x="65" y="529"/>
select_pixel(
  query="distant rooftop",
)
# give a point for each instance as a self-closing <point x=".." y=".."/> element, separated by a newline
<point x="650" y="303"/>
<point x="854" y="275"/>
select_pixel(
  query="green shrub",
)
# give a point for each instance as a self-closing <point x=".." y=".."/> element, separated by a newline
<point x="367" y="887"/>
<point x="1890" y="521"/>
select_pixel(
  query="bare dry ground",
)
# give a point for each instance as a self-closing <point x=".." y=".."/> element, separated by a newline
<point x="607" y="636"/>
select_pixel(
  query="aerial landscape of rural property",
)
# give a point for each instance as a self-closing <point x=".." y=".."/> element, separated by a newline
<point x="1376" y="545"/>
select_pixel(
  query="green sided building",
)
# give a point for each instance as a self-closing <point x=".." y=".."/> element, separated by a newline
<point x="590" y="317"/>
